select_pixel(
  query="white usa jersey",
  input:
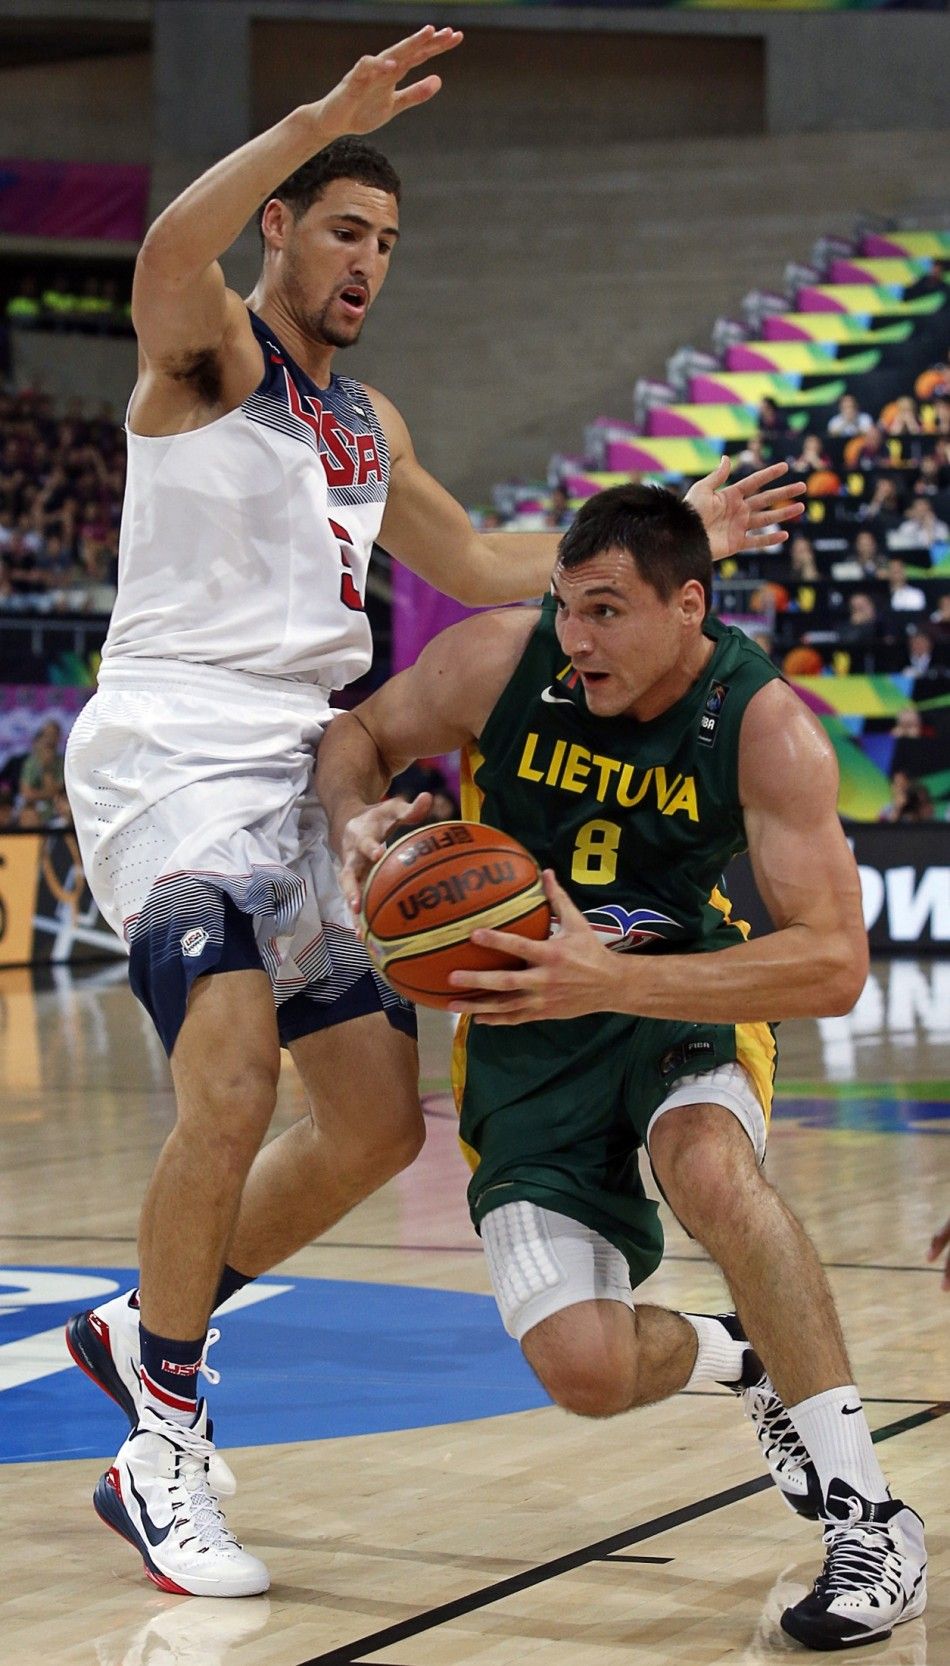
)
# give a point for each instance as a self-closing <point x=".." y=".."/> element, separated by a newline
<point x="246" y="544"/>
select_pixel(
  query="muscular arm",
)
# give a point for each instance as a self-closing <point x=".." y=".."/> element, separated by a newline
<point x="191" y="329"/>
<point x="430" y="533"/>
<point x="816" y="961"/>
<point x="438" y="704"/>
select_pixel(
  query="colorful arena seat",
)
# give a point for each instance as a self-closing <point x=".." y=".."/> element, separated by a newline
<point x="687" y="459"/>
<point x="838" y="327"/>
<point x="875" y="300"/>
<point x="808" y="358"/>
<point x="749" y="387"/>
<point x="712" y="422"/>
<point x="884" y="270"/>
<point x="932" y="245"/>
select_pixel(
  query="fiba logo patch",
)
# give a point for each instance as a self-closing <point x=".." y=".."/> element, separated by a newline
<point x="709" y="718"/>
<point x="193" y="942"/>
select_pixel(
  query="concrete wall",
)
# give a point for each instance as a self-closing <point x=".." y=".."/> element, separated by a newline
<point x="533" y="285"/>
<point x="81" y="110"/>
<point x="91" y="368"/>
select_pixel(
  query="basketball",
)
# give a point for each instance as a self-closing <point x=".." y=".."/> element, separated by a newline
<point x="432" y="889"/>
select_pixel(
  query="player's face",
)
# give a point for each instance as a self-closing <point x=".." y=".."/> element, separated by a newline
<point x="631" y="650"/>
<point x="335" y="259"/>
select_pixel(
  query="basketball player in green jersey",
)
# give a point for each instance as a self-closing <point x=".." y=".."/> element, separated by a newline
<point x="635" y="745"/>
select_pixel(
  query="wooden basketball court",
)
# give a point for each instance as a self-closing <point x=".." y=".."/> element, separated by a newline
<point x="416" y="1502"/>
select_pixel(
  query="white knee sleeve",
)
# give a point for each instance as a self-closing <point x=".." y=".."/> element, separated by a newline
<point x="540" y="1261"/>
<point x="730" y="1086"/>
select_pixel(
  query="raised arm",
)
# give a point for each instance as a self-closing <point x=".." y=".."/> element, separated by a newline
<point x="814" y="963"/>
<point x="184" y="316"/>
<point x="430" y="533"/>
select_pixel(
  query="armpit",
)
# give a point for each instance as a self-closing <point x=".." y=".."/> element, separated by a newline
<point x="202" y="371"/>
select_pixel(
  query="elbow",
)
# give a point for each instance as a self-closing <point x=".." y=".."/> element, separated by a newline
<point x="845" y="977"/>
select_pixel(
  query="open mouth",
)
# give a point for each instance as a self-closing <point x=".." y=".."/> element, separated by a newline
<point x="354" y="300"/>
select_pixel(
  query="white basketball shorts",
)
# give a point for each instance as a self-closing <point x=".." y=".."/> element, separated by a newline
<point x="205" y="846"/>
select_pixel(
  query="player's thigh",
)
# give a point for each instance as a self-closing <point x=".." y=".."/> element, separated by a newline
<point x="361" y="1078"/>
<point x="225" y="1062"/>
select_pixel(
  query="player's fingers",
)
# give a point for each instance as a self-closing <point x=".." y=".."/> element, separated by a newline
<point x="419" y="93"/>
<point x="938" y="1243"/>
<point x="523" y="948"/>
<point x="762" y="540"/>
<point x="754" y="483"/>
<point x="566" y="910"/>
<point x="779" y="494"/>
<point x="426" y="43"/>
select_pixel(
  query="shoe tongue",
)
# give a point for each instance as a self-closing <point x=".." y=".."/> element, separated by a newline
<point x="201" y="1422"/>
<point x="845" y="1503"/>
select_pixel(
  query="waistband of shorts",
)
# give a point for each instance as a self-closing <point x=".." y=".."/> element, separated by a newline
<point x="143" y="673"/>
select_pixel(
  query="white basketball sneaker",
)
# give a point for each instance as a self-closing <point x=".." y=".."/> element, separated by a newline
<point x="104" y="1342"/>
<point x="157" y="1495"/>
<point x="874" y="1577"/>
<point x="788" y="1462"/>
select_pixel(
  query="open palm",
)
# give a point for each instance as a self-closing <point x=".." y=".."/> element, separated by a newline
<point x="369" y="95"/>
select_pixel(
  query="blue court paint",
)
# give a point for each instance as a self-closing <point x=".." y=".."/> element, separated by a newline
<point x="320" y="1359"/>
<point x="873" y="1115"/>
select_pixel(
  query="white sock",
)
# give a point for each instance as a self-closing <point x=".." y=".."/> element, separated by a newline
<point x="835" y="1432"/>
<point x="718" y="1355"/>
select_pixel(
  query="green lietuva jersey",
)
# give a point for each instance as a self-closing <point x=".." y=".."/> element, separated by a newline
<point x="638" y="820"/>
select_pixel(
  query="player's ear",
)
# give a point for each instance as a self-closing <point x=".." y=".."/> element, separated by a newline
<point x="692" y="602"/>
<point x="275" y="221"/>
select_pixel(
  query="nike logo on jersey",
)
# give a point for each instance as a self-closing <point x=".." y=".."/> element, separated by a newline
<point x="155" y="1535"/>
<point x="551" y="698"/>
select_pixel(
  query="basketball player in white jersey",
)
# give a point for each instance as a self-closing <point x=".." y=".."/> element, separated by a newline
<point x="258" y="481"/>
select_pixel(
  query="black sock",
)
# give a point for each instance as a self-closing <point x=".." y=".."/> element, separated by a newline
<point x="231" y="1280"/>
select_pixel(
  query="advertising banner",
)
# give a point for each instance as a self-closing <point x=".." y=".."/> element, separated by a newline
<point x="905" y="888"/>
<point x="46" y="910"/>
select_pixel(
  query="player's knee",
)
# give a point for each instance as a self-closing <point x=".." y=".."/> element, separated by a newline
<point x="706" y="1166"/>
<point x="228" y="1113"/>
<point x="585" y="1358"/>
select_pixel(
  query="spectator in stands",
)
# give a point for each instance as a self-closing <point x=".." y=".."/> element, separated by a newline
<point x="920" y="648"/>
<point x="908" y="724"/>
<point x="866" y="559"/>
<point x="41" y="776"/>
<point x="849" y="419"/>
<point x="7" y="808"/>
<point x="902" y="418"/>
<point x="941" y="414"/>
<point x="920" y="529"/>
<point x="929" y="472"/>
<point x="905" y="598"/>
<point x="773" y="428"/>
<point x="900" y="787"/>
<point x="801" y="556"/>
<point x="884" y="504"/>
<point x="751" y="457"/>
<point x="918" y="804"/>
<point x="868" y="451"/>
<point x="940" y="616"/>
<point x="559" y="515"/>
<point x="812" y="456"/>
<point x="861" y="628"/>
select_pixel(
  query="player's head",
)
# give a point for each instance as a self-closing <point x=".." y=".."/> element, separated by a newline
<point x="328" y="232"/>
<point x="633" y="583"/>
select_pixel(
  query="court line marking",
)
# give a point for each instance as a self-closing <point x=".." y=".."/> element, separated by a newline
<point x="439" y="1249"/>
<point x="353" y="1654"/>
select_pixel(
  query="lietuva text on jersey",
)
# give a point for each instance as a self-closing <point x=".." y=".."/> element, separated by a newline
<point x="638" y="820"/>
<point x="245" y="544"/>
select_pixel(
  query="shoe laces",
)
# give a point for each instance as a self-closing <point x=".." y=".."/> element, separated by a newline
<point x="191" y="1492"/>
<point x="204" y="1369"/>
<point x="860" y="1554"/>
<point x="774" y="1428"/>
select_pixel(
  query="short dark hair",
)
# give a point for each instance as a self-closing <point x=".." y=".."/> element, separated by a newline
<point x="346" y="158"/>
<point x="664" y="537"/>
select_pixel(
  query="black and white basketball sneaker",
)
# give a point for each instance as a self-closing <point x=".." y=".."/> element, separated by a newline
<point x="874" y="1577"/>
<point x="788" y="1462"/>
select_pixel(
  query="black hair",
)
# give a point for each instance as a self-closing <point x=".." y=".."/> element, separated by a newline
<point x="664" y="537"/>
<point x="346" y="158"/>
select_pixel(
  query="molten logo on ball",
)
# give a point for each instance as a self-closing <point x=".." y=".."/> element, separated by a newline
<point x="456" y="888"/>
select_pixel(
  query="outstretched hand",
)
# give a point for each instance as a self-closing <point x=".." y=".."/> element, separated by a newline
<point x="735" y="516"/>
<point x="363" y="839"/>
<point x="565" y="976"/>
<point x="369" y="95"/>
